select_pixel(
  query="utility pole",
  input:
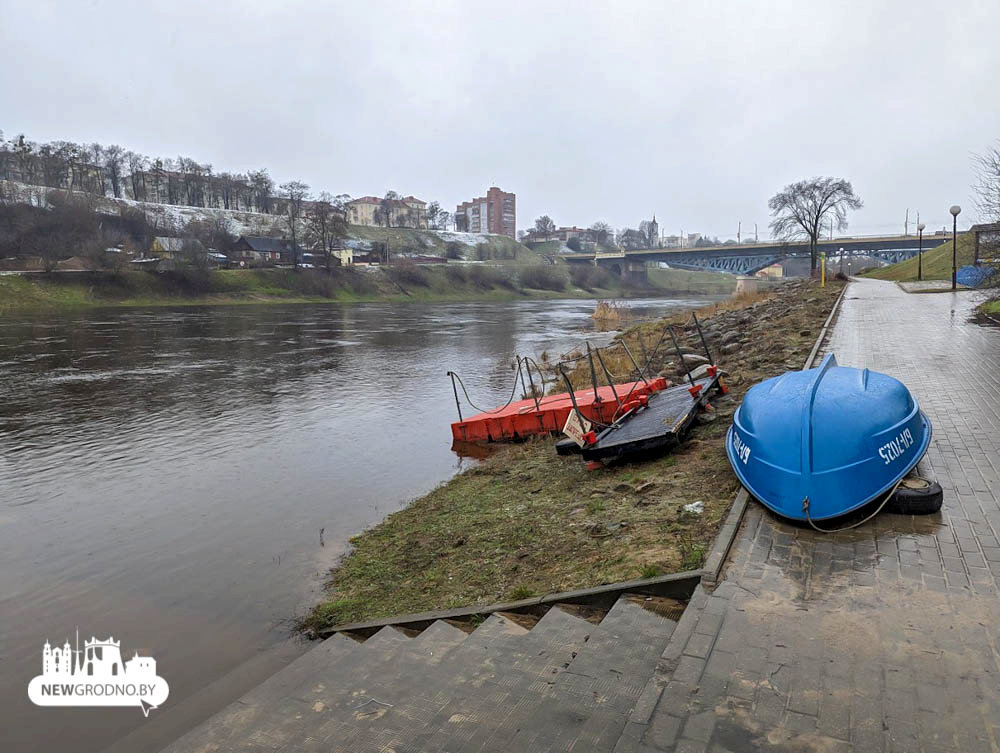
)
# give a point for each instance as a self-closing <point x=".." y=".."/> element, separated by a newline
<point x="756" y="238"/>
<point x="739" y="227"/>
<point x="906" y="222"/>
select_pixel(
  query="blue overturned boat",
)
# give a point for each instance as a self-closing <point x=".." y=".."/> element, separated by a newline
<point x="819" y="443"/>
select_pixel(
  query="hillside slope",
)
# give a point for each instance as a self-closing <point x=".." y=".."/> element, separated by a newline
<point x="936" y="263"/>
<point x="172" y="218"/>
<point x="473" y="246"/>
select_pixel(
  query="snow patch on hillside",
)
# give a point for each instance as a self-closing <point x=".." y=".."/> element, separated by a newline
<point x="171" y="218"/>
<point x="468" y="239"/>
<point x="167" y="217"/>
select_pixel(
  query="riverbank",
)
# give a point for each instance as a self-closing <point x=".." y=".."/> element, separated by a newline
<point x="446" y="283"/>
<point x="527" y="521"/>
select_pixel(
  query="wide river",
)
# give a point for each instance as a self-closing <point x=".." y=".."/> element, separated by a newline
<point x="182" y="479"/>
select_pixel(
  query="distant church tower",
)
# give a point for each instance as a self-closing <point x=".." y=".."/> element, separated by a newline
<point x="654" y="231"/>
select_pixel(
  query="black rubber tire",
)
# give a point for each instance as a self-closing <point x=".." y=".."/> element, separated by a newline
<point x="567" y="447"/>
<point x="916" y="496"/>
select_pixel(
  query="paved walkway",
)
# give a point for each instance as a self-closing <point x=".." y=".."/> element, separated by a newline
<point x="880" y="639"/>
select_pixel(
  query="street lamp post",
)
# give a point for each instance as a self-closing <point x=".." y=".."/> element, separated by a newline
<point x="920" y="251"/>
<point x="954" y="246"/>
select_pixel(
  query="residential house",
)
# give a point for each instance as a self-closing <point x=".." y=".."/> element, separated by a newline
<point x="256" y="251"/>
<point x="565" y="233"/>
<point x="406" y="212"/>
<point x="168" y="248"/>
<point x="344" y="255"/>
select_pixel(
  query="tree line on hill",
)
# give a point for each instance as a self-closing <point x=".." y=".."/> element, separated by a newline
<point x="79" y="174"/>
<point x="72" y="224"/>
<point x="600" y="235"/>
<point x="116" y="172"/>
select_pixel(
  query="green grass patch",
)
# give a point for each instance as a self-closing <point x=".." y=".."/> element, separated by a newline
<point x="937" y="262"/>
<point x="527" y="520"/>
<point x="521" y="592"/>
<point x="545" y="248"/>
<point x="651" y="571"/>
<point x="692" y="281"/>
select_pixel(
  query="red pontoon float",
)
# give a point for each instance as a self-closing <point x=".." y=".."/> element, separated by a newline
<point x="548" y="414"/>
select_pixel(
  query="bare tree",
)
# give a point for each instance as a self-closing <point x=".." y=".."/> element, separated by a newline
<point x="215" y="233"/>
<point x="804" y="208"/>
<point x="137" y="174"/>
<point x="294" y="193"/>
<point x="437" y="218"/>
<point x="157" y="174"/>
<point x="544" y="226"/>
<point x="262" y="188"/>
<point x="649" y="232"/>
<point x="987" y="185"/>
<point x="386" y="208"/>
<point x="631" y="239"/>
<point x="114" y="159"/>
<point x="326" y="224"/>
<point x="602" y="234"/>
<point x="95" y="170"/>
<point x="25" y="159"/>
<point x="433" y="211"/>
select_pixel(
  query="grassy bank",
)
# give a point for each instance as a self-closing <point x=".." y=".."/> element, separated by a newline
<point x="691" y="281"/>
<point x="936" y="264"/>
<point x="452" y="282"/>
<point x="527" y="521"/>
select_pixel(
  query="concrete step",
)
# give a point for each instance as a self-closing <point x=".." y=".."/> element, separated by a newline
<point x="553" y="643"/>
<point x="409" y="696"/>
<point x="486" y="640"/>
<point x="566" y="683"/>
<point x="630" y="640"/>
<point x="496" y="687"/>
<point x="586" y="704"/>
<point x="615" y="664"/>
<point x="252" y="720"/>
<point x="386" y="639"/>
<point x="437" y="641"/>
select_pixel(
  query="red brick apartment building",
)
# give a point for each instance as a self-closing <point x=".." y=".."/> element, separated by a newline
<point x="492" y="213"/>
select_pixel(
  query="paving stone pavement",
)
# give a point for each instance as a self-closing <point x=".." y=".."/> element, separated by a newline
<point x="883" y="638"/>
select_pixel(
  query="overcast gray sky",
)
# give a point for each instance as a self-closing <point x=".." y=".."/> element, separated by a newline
<point x="588" y="111"/>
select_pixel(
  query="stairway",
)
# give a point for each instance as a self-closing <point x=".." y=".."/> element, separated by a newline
<point x="566" y="682"/>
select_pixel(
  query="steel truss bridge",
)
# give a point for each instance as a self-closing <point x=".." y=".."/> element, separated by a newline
<point x="751" y="257"/>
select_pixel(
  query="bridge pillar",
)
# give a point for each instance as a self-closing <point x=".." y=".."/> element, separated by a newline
<point x="635" y="271"/>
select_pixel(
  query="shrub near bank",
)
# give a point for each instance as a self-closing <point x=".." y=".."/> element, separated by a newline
<point x="544" y="277"/>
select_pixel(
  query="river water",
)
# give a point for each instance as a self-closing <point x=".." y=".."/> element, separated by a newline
<point x="182" y="479"/>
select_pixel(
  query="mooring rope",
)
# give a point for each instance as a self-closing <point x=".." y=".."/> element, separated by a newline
<point x="529" y="362"/>
<point x="805" y="509"/>
<point x="468" y="399"/>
